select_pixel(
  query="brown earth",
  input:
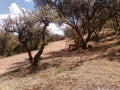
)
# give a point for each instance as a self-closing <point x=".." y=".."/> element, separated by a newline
<point x="96" y="68"/>
<point x="7" y="64"/>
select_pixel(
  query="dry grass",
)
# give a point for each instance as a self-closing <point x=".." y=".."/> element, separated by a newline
<point x="93" y="69"/>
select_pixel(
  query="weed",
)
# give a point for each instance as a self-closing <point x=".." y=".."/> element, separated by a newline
<point x="60" y="70"/>
<point x="57" y="62"/>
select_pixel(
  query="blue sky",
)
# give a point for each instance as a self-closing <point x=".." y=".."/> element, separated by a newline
<point x="5" y="4"/>
<point x="13" y="8"/>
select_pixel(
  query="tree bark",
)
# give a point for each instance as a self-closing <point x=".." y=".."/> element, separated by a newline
<point x="84" y="45"/>
<point x="29" y="53"/>
<point x="37" y="56"/>
<point x="24" y="44"/>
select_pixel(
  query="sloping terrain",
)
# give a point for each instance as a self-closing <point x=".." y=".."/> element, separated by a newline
<point x="96" y="68"/>
<point x="11" y="62"/>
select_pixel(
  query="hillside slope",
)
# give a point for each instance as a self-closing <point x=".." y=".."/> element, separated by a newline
<point x="92" y="69"/>
<point x="11" y="62"/>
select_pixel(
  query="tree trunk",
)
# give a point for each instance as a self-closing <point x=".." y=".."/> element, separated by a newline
<point x="84" y="45"/>
<point x="24" y="44"/>
<point x="37" y="56"/>
<point x="85" y="41"/>
<point x="29" y="53"/>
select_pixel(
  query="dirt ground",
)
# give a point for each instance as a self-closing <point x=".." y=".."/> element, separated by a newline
<point x="97" y="68"/>
<point x="7" y="64"/>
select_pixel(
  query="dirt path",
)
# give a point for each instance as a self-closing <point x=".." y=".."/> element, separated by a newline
<point x="13" y="61"/>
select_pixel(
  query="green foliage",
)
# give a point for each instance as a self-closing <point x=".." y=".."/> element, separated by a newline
<point x="57" y="62"/>
<point x="55" y="37"/>
<point x="85" y="17"/>
<point x="8" y="43"/>
<point x="10" y="46"/>
<point x="2" y="45"/>
<point x="60" y="70"/>
<point x="70" y="33"/>
<point x="114" y="24"/>
<point x="31" y="29"/>
<point x="19" y="48"/>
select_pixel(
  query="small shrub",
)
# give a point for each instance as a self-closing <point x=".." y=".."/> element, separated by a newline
<point x="60" y="70"/>
<point x="57" y="62"/>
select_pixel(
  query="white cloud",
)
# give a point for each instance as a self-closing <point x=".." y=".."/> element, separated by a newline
<point x="14" y="9"/>
<point x="53" y="28"/>
<point x="3" y="16"/>
<point x="28" y="1"/>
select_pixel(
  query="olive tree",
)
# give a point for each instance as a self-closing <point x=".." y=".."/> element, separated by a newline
<point x="7" y="40"/>
<point x="85" y="17"/>
<point x="31" y="27"/>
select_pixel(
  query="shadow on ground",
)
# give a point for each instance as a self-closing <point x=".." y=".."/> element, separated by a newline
<point x="108" y="49"/>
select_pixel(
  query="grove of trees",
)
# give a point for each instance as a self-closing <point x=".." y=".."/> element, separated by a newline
<point x="30" y="30"/>
<point x="85" y="19"/>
